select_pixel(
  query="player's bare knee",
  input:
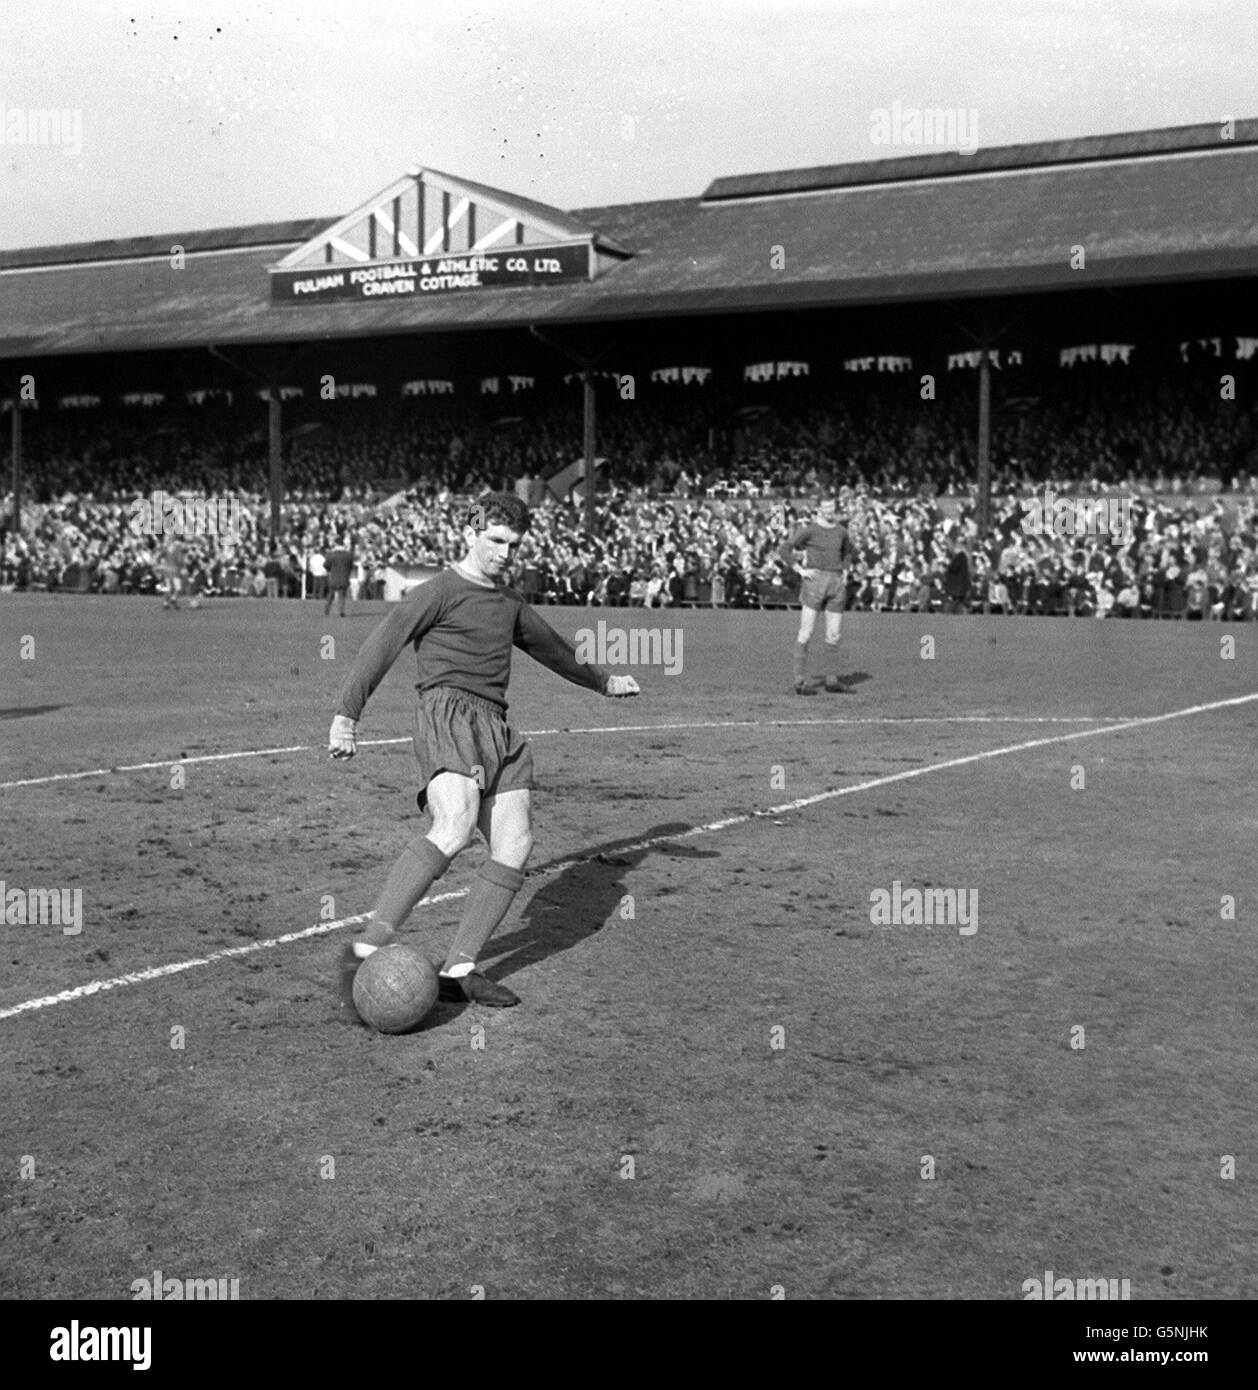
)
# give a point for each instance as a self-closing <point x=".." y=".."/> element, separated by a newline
<point x="452" y="831"/>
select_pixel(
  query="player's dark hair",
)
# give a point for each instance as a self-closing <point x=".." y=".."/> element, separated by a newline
<point x="498" y="509"/>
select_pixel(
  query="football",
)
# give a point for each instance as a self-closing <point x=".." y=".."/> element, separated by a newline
<point x="394" y="988"/>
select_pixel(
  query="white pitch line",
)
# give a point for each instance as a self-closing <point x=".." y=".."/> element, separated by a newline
<point x="322" y="928"/>
<point x="602" y="729"/>
<point x="157" y="972"/>
<point x="145" y="767"/>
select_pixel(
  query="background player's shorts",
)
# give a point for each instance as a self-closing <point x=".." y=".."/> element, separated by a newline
<point x="826" y="589"/>
<point x="456" y="731"/>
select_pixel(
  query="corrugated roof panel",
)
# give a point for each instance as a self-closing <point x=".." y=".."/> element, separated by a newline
<point x="129" y="248"/>
<point x="951" y="163"/>
<point x="1139" y="221"/>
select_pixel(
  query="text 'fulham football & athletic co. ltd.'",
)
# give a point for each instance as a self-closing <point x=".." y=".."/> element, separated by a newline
<point x="418" y="275"/>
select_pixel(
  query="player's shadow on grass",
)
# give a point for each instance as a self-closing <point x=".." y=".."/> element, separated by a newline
<point x="855" y="678"/>
<point x="579" y="901"/>
<point x="27" y="711"/>
<point x="583" y="898"/>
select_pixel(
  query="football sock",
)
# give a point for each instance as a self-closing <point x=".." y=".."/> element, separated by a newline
<point x="376" y="933"/>
<point x="487" y="903"/>
<point x="832" y="651"/>
<point x="801" y="660"/>
<point x="417" y="868"/>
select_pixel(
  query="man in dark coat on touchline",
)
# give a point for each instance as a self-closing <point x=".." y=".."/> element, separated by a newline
<point x="339" y="563"/>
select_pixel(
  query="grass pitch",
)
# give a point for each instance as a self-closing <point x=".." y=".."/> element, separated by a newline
<point x="724" y="1077"/>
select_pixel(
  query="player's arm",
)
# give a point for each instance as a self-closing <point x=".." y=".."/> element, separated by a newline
<point x="791" y="548"/>
<point x="405" y="625"/>
<point x="536" y="637"/>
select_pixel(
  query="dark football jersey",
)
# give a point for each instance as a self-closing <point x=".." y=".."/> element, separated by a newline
<point x="463" y="634"/>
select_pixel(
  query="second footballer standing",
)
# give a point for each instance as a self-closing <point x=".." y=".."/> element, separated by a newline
<point x="828" y="552"/>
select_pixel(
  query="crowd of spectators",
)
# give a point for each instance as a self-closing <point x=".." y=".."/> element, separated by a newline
<point x="1194" y="559"/>
<point x="700" y="493"/>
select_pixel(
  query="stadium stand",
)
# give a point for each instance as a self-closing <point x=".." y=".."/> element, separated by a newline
<point x="776" y="334"/>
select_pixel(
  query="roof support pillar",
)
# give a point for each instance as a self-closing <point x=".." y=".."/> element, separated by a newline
<point x="984" y="442"/>
<point x="587" y="391"/>
<point x="17" y="457"/>
<point x="275" y="451"/>
<point x="270" y="379"/>
<point x="585" y="358"/>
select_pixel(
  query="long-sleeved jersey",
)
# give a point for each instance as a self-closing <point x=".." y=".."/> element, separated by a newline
<point x="463" y="633"/>
<point x="828" y="547"/>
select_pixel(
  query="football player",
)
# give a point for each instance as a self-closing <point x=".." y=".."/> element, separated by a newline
<point x="173" y="561"/>
<point x="475" y="771"/>
<point x="828" y="553"/>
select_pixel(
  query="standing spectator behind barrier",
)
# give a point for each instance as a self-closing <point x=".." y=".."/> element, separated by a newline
<point x="273" y="572"/>
<point x="339" y="564"/>
<point x="316" y="567"/>
<point x="957" y="580"/>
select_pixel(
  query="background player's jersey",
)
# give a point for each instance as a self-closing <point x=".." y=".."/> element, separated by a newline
<point x="173" y="560"/>
<point x="828" y="547"/>
<point x="463" y="633"/>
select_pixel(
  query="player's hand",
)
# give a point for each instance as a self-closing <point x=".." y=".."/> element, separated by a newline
<point x="342" y="739"/>
<point x="621" y="687"/>
<point x="804" y="572"/>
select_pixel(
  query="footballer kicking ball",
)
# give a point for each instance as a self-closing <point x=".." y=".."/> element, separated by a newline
<point x="395" y="988"/>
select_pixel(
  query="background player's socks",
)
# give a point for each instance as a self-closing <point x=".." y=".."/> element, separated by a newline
<point x="417" y="868"/>
<point x="832" y="667"/>
<point x="801" y="662"/>
<point x="487" y="903"/>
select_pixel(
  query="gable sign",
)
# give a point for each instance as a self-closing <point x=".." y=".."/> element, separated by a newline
<point x="429" y="234"/>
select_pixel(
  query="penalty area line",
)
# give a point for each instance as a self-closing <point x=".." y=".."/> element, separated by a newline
<point x="800" y="803"/>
